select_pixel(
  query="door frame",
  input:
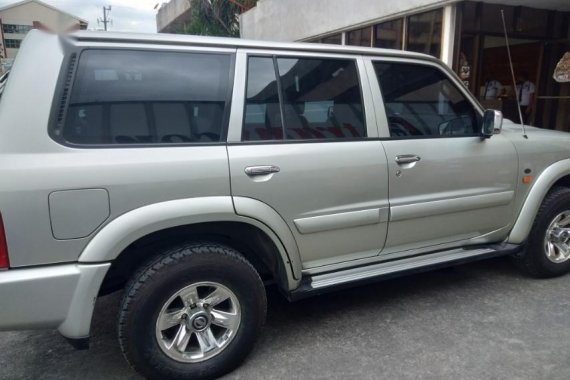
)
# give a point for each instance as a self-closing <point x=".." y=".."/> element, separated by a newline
<point x="240" y="82"/>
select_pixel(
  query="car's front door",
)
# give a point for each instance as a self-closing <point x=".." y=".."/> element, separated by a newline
<point x="304" y="145"/>
<point x="448" y="186"/>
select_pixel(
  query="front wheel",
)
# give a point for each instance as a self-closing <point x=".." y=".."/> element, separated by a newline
<point x="194" y="313"/>
<point x="548" y="249"/>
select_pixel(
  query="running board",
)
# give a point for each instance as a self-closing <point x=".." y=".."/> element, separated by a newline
<point x="322" y="283"/>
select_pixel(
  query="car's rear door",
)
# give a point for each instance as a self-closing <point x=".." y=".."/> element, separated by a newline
<point x="302" y="141"/>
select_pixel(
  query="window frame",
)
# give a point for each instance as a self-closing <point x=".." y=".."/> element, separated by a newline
<point x="380" y="107"/>
<point x="10" y="43"/>
<point x="238" y="115"/>
<point x="62" y="87"/>
<point x="16" y="28"/>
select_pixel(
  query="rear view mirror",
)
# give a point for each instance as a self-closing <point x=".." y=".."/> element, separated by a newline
<point x="492" y="122"/>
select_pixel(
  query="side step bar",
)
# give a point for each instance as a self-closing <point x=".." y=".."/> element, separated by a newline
<point x="322" y="283"/>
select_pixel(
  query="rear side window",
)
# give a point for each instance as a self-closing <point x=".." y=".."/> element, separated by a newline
<point x="303" y="99"/>
<point x="422" y="102"/>
<point x="143" y="97"/>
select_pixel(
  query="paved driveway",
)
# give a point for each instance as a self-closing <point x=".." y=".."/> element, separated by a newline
<point x="477" y="321"/>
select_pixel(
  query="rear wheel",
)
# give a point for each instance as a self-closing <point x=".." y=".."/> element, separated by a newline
<point x="548" y="249"/>
<point x="194" y="313"/>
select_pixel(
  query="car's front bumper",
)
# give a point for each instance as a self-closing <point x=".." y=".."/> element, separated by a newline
<point x="55" y="296"/>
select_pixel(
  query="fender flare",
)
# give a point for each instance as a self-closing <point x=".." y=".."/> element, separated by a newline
<point x="115" y="236"/>
<point x="536" y="195"/>
<point x="255" y="209"/>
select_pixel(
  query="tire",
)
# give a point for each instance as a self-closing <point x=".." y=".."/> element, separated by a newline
<point x="543" y="258"/>
<point x="202" y="292"/>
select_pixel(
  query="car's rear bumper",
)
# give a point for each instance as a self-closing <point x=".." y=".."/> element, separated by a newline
<point x="56" y="296"/>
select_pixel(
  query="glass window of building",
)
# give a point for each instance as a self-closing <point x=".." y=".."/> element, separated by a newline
<point x="16" y="29"/>
<point x="424" y="33"/>
<point x="389" y="34"/>
<point x="532" y="21"/>
<point x="335" y="39"/>
<point x="360" y="37"/>
<point x="491" y="21"/>
<point x="470" y="20"/>
<point x="12" y="44"/>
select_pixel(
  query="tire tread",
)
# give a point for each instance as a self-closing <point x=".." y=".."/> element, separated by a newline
<point x="146" y="273"/>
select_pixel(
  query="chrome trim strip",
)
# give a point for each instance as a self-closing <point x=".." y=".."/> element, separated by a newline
<point x="362" y="273"/>
<point x="341" y="220"/>
<point x="448" y="206"/>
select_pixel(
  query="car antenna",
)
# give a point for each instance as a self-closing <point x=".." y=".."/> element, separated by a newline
<point x="513" y="74"/>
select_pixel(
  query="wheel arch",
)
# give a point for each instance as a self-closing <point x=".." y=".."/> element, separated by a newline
<point x="171" y="222"/>
<point x="175" y="218"/>
<point x="557" y="174"/>
<point x="246" y="237"/>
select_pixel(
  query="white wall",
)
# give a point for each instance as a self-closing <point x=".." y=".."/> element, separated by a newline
<point x="294" y="20"/>
<point x="170" y="11"/>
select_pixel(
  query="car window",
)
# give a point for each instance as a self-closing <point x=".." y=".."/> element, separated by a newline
<point x="143" y="97"/>
<point x="303" y="99"/>
<point x="421" y="101"/>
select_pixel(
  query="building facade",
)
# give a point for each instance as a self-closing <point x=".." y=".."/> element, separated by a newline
<point x="173" y="16"/>
<point x="17" y="19"/>
<point x="466" y="35"/>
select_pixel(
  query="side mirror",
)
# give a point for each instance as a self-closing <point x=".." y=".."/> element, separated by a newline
<point x="492" y="122"/>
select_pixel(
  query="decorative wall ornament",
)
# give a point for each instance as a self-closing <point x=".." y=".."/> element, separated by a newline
<point x="562" y="70"/>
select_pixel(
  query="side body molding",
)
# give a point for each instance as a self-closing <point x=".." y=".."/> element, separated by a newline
<point x="542" y="185"/>
<point x="114" y="237"/>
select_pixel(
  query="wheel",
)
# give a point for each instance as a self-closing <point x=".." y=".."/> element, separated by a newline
<point x="548" y="250"/>
<point x="193" y="313"/>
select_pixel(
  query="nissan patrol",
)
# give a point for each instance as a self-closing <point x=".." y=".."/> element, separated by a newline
<point x="189" y="172"/>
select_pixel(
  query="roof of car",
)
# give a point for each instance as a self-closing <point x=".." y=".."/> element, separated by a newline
<point x="184" y="39"/>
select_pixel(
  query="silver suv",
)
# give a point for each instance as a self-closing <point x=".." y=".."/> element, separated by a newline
<point x="190" y="172"/>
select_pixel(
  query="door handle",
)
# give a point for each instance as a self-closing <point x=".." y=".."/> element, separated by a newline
<point x="407" y="158"/>
<point x="261" y="170"/>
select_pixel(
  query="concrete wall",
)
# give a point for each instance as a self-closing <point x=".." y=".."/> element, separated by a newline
<point x="172" y="15"/>
<point x="294" y="20"/>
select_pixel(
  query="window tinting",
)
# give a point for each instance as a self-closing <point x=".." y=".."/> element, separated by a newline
<point x="421" y="102"/>
<point x="320" y="99"/>
<point x="262" y="111"/>
<point x="140" y="97"/>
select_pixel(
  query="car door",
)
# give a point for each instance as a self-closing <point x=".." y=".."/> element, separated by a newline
<point x="302" y="142"/>
<point x="447" y="185"/>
